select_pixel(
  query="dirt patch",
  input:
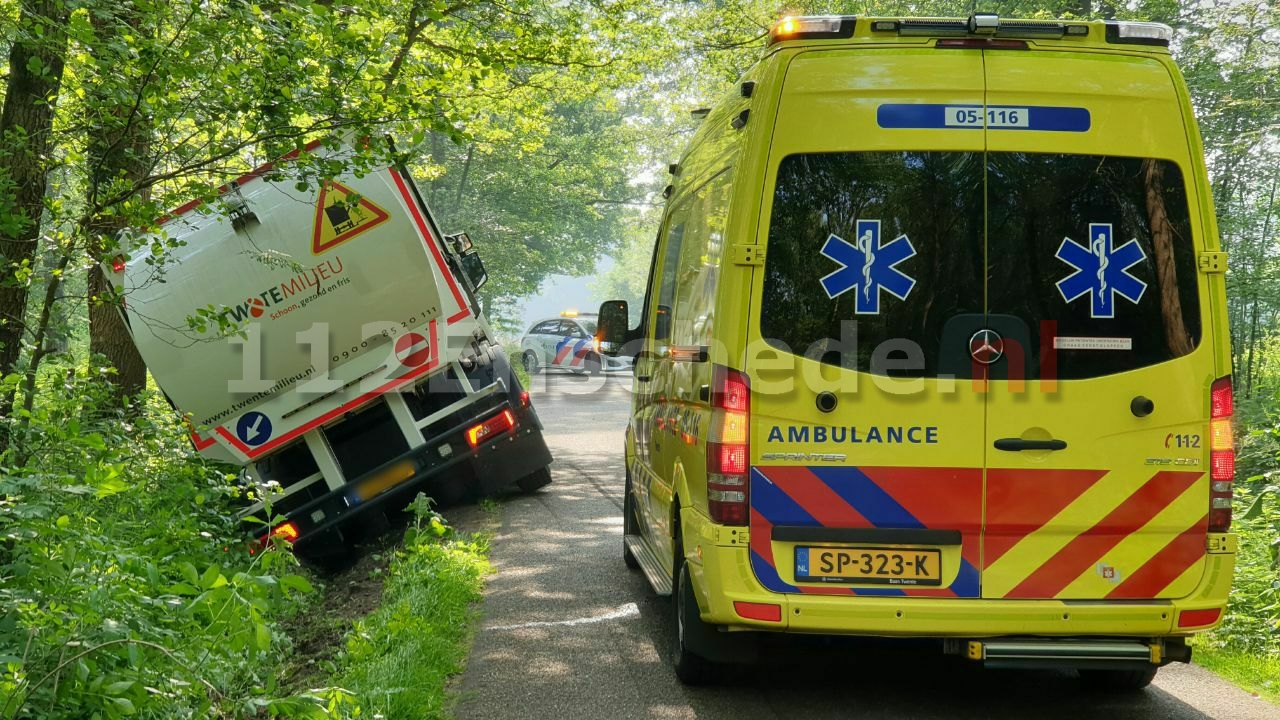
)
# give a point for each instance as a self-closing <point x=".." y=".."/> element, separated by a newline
<point x="320" y="631"/>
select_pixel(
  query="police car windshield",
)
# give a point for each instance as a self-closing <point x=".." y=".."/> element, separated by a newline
<point x="589" y="326"/>
<point x="888" y="262"/>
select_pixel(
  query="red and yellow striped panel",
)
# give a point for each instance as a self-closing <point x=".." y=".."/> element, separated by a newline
<point x="1089" y="534"/>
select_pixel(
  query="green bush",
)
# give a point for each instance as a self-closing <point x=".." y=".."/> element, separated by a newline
<point x="1252" y="622"/>
<point x="125" y="586"/>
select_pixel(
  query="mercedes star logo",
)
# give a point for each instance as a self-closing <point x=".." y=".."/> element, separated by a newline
<point x="986" y="346"/>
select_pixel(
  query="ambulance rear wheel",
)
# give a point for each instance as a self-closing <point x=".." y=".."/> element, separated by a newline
<point x="691" y="668"/>
<point x="1118" y="680"/>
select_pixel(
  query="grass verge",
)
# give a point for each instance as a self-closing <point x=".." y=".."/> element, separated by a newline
<point x="399" y="658"/>
<point x="1257" y="674"/>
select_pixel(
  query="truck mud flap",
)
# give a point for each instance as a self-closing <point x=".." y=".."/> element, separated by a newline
<point x="503" y="462"/>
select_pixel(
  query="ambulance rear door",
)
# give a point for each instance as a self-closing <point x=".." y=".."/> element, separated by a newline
<point x="867" y="459"/>
<point x="1096" y="477"/>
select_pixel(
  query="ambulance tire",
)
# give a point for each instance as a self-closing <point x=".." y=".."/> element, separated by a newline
<point x="535" y="480"/>
<point x="691" y="668"/>
<point x="1118" y="680"/>
<point x="629" y="525"/>
<point x="530" y="362"/>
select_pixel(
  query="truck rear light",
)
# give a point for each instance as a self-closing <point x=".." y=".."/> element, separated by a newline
<point x="491" y="428"/>
<point x="729" y="448"/>
<point x="287" y="531"/>
<point x="1198" y="618"/>
<point x="117" y="263"/>
<point x="1222" y="454"/>
<point x="769" y="612"/>
<point x="524" y="398"/>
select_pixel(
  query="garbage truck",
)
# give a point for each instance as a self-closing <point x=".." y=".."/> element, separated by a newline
<point x="325" y="336"/>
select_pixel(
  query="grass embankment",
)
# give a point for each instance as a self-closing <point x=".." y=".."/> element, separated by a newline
<point x="399" y="658"/>
<point x="1257" y="674"/>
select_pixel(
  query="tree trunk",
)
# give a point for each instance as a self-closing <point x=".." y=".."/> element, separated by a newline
<point x="26" y="125"/>
<point x="1175" y="328"/>
<point x="119" y="144"/>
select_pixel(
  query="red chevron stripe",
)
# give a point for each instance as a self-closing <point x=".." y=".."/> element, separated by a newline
<point x="762" y="537"/>
<point x="1019" y="502"/>
<point x="940" y="498"/>
<point x="816" y="497"/>
<point x="1168" y="565"/>
<point x="1088" y="548"/>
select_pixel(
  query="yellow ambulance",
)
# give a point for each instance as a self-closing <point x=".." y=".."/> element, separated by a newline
<point x="935" y="345"/>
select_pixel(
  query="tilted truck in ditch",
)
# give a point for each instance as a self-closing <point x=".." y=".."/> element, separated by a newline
<point x="328" y="340"/>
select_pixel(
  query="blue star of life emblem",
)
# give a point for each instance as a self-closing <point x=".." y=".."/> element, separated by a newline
<point x="1101" y="271"/>
<point x="868" y="267"/>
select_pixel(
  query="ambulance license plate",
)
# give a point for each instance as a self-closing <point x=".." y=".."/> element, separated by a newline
<point x="878" y="566"/>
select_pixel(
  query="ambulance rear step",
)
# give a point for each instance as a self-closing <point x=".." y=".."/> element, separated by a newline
<point x="1135" y="653"/>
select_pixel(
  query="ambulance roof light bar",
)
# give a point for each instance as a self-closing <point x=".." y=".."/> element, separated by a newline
<point x="1139" y="33"/>
<point x="812" y="27"/>
<point x="980" y="24"/>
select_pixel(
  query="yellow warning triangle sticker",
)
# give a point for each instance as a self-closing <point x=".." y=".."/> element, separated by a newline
<point x="338" y="218"/>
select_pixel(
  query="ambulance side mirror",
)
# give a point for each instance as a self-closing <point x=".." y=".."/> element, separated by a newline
<point x="473" y="268"/>
<point x="611" y="326"/>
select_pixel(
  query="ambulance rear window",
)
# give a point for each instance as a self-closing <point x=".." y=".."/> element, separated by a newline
<point x="887" y="262"/>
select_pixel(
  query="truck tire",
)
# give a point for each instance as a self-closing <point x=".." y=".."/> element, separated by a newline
<point x="691" y="668"/>
<point x="1118" y="681"/>
<point x="530" y="362"/>
<point x="535" y="480"/>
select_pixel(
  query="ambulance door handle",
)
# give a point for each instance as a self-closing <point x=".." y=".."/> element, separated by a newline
<point x="1018" y="444"/>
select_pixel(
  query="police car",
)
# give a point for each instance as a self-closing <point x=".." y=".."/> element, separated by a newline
<point x="935" y="345"/>
<point x="567" y="342"/>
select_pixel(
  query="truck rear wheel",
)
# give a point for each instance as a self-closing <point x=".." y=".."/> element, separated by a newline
<point x="535" y="480"/>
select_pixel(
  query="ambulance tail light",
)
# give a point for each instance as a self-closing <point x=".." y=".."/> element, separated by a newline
<point x="728" y="448"/>
<point x="1222" y="454"/>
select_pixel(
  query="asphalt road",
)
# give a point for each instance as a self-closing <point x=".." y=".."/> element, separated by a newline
<point x="568" y="632"/>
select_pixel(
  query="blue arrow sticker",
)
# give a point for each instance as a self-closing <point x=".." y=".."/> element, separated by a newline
<point x="253" y="428"/>
<point x="868" y="267"/>
<point x="1101" y="271"/>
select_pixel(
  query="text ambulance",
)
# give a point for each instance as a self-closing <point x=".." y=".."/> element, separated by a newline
<point x="327" y="338"/>
<point x="935" y="345"/>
